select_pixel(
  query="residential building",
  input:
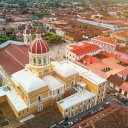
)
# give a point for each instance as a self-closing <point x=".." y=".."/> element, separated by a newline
<point x="121" y="35"/>
<point x="122" y="54"/>
<point x="107" y="44"/>
<point x="124" y="74"/>
<point x="75" y="52"/>
<point x="119" y="82"/>
<point x="124" y="89"/>
<point x="60" y="33"/>
<point x="115" y="82"/>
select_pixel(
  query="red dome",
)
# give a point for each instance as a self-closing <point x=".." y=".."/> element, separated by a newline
<point x="27" y="31"/>
<point x="39" y="47"/>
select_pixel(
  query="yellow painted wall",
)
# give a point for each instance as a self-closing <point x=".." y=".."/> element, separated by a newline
<point x="39" y="70"/>
<point x="3" y="99"/>
<point x="20" y="91"/>
<point x="34" y="98"/>
<point x="91" y="86"/>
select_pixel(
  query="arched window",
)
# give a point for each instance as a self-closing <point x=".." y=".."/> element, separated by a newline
<point x="44" y="60"/>
<point x="72" y="83"/>
<point x="34" y="60"/>
<point x="58" y="91"/>
<point x="39" y="98"/>
<point x="39" y="61"/>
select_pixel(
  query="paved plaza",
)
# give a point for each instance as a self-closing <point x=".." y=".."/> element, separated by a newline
<point x="58" y="51"/>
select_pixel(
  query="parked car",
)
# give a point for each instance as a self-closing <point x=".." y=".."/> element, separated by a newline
<point x="76" y="119"/>
<point x="57" y="126"/>
<point x="93" y="112"/>
<point x="100" y="108"/>
<point x="107" y="103"/>
<point x="126" y="103"/>
<point x="68" y="124"/>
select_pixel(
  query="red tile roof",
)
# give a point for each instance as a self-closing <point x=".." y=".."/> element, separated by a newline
<point x="124" y="72"/>
<point x="122" y="50"/>
<point x="106" y="54"/>
<point x="85" y="49"/>
<point x="124" y="86"/>
<point x="13" y="58"/>
<point x="110" y="62"/>
<point x="27" y="31"/>
<point x="90" y="59"/>
<point x="109" y="40"/>
<point x="116" y="80"/>
<point x="45" y="22"/>
<point x="77" y="46"/>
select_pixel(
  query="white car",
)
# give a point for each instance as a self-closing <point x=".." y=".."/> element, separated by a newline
<point x="68" y="124"/>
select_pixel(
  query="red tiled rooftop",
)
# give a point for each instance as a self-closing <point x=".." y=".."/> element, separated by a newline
<point x="90" y="59"/>
<point x="106" y="39"/>
<point x="77" y="46"/>
<point x="122" y="50"/>
<point x="45" y="22"/>
<point x="107" y="62"/>
<point x="13" y="58"/>
<point x="85" y="49"/>
<point x="125" y="86"/>
<point x="106" y="54"/>
<point x="124" y="72"/>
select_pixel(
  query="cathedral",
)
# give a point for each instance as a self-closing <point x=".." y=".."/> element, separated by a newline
<point x="43" y="83"/>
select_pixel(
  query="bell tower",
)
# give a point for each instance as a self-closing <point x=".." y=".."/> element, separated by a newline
<point x="27" y="36"/>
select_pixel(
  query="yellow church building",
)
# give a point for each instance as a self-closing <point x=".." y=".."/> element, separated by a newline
<point x="43" y="83"/>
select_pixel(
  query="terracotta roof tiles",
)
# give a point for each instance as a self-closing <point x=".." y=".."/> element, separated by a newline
<point x="124" y="86"/>
<point x="116" y="80"/>
<point x="13" y="58"/>
<point x="90" y="59"/>
<point x="109" y="40"/>
<point x="124" y="72"/>
<point x="85" y="49"/>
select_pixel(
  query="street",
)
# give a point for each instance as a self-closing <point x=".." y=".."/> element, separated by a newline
<point x="84" y="115"/>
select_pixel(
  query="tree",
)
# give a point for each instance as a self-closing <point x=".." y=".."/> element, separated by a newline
<point x="52" y="38"/>
<point x="25" y="11"/>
